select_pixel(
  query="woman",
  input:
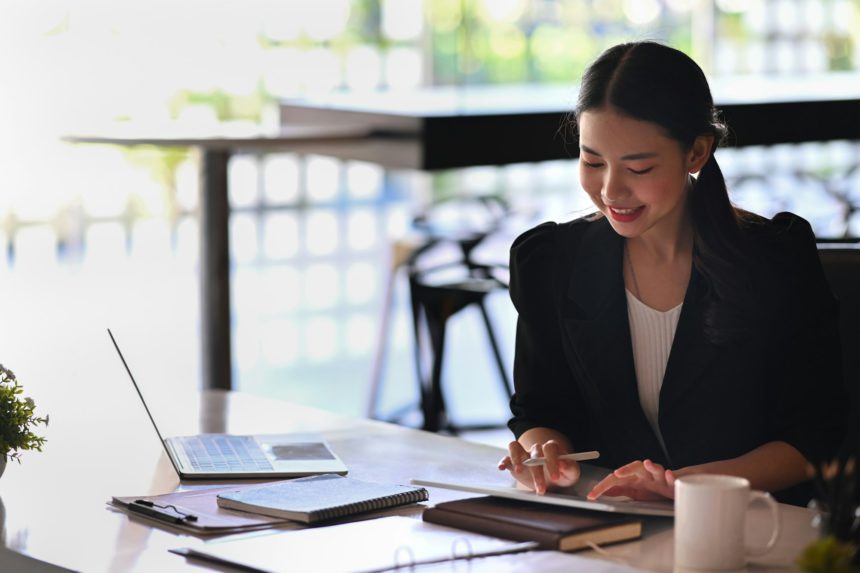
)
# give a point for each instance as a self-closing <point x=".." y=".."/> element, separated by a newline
<point x="671" y="331"/>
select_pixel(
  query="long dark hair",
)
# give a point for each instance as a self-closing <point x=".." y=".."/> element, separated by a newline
<point x="651" y="82"/>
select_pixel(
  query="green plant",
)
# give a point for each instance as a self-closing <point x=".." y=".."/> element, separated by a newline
<point x="17" y="419"/>
<point x="827" y="555"/>
<point x="836" y="499"/>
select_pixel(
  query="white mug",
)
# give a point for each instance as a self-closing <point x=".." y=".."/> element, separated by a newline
<point x="710" y="516"/>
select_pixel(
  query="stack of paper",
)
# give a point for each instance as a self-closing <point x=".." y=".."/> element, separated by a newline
<point x="377" y="545"/>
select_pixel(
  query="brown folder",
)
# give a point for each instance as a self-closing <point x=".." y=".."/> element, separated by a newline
<point x="553" y="527"/>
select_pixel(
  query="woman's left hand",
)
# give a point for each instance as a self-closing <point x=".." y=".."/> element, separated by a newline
<point x="639" y="480"/>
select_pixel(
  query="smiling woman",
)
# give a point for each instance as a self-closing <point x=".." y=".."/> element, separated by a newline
<point x="671" y="331"/>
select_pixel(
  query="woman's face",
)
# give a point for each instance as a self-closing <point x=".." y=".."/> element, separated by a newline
<point x="636" y="175"/>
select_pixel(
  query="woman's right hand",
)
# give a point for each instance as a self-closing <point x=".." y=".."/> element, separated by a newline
<point x="554" y="473"/>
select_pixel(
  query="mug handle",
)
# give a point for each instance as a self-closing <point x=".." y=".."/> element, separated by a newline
<point x="775" y="516"/>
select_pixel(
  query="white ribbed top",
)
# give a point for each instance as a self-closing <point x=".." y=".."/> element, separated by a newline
<point x="651" y="332"/>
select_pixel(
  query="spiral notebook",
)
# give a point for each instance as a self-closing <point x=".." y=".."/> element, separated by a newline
<point x="320" y="498"/>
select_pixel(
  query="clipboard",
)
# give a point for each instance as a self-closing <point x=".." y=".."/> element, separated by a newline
<point x="196" y="511"/>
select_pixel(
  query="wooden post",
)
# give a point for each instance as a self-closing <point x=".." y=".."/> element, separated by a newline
<point x="215" y="269"/>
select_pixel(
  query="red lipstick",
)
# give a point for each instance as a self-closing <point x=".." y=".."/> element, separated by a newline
<point x="625" y="215"/>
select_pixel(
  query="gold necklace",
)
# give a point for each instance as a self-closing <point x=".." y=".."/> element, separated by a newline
<point x="632" y="272"/>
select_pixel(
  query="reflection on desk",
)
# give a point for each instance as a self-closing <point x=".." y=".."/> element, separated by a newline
<point x="14" y="561"/>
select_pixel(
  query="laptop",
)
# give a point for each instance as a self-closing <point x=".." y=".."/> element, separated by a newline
<point x="227" y="456"/>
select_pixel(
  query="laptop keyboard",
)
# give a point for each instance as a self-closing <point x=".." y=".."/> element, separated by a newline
<point x="217" y="453"/>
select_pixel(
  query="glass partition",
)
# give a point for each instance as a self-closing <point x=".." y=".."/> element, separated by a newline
<point x="310" y="235"/>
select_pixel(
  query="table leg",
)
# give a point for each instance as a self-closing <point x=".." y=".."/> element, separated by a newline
<point x="215" y="269"/>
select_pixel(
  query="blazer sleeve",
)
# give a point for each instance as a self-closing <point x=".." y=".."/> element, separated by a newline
<point x="810" y="401"/>
<point x="545" y="395"/>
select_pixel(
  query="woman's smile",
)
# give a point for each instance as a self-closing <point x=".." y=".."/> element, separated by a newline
<point x="626" y="215"/>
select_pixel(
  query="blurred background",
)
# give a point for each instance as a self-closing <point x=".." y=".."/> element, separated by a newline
<point x="97" y="236"/>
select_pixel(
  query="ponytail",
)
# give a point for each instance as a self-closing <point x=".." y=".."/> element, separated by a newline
<point x="715" y="218"/>
<point x="719" y="257"/>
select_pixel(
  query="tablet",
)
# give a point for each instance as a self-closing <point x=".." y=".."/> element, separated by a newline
<point x="571" y="497"/>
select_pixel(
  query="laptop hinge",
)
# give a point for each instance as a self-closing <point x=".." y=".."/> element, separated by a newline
<point x="177" y="455"/>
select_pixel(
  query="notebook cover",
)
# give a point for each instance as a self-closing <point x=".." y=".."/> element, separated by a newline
<point x="554" y="527"/>
<point x="320" y="498"/>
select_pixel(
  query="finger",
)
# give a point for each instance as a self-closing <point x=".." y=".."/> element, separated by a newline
<point x="515" y="448"/>
<point x="538" y="477"/>
<point x="658" y="472"/>
<point x="568" y="472"/>
<point x="550" y="454"/>
<point x="670" y="485"/>
<point x="644" y="490"/>
<point x="622" y="490"/>
<point x="505" y="463"/>
<point x="518" y="455"/>
<point x="637" y="492"/>
<point x="646" y="471"/>
<point x="633" y="468"/>
<point x="670" y="479"/>
<point x="604" y="485"/>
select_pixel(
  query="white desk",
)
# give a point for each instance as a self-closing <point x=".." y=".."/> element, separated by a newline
<point x="53" y="505"/>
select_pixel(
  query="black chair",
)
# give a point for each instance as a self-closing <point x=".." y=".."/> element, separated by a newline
<point x="435" y="298"/>
<point x="841" y="262"/>
<point x="438" y="291"/>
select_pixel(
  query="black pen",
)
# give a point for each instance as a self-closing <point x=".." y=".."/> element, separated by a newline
<point x="149" y="509"/>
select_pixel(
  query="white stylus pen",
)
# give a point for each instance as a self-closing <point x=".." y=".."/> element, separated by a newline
<point x="577" y="457"/>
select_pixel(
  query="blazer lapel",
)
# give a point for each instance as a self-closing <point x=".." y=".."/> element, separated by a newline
<point x="691" y="352"/>
<point x="596" y="324"/>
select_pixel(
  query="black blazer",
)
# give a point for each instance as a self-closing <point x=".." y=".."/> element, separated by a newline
<point x="574" y="371"/>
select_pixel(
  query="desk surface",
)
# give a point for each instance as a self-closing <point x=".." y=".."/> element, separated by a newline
<point x="226" y="137"/>
<point x="53" y="505"/>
